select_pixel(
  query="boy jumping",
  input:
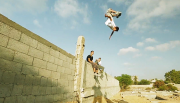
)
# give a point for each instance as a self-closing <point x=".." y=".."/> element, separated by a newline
<point x="110" y="22"/>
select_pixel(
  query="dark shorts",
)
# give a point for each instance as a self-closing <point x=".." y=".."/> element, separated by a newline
<point x="94" y="66"/>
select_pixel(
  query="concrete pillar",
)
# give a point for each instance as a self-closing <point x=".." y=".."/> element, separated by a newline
<point x="79" y="64"/>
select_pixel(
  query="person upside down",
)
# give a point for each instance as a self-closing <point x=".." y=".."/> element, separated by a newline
<point x="110" y="22"/>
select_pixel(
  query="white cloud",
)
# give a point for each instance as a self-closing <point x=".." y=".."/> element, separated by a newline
<point x="36" y="22"/>
<point x="8" y="7"/>
<point x="127" y="50"/>
<point x="137" y="55"/>
<point x="72" y="9"/>
<point x="150" y="48"/>
<point x="117" y="2"/>
<point x="140" y="44"/>
<point x="155" y="58"/>
<point x="150" y="40"/>
<point x="165" y="46"/>
<point x="143" y="12"/>
<point x="126" y="64"/>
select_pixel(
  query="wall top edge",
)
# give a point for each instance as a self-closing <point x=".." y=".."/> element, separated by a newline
<point x="27" y="32"/>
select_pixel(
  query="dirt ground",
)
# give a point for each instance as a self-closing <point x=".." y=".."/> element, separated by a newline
<point x="135" y="99"/>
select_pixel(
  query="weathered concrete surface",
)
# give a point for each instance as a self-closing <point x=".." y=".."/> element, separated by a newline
<point x="105" y="85"/>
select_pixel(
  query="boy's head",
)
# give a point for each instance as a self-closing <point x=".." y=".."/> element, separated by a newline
<point x="116" y="28"/>
<point x="92" y="52"/>
<point x="99" y="59"/>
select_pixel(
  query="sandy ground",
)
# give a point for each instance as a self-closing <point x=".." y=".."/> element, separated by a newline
<point x="135" y="99"/>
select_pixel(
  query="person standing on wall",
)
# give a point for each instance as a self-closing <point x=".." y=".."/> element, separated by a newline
<point x="94" y="65"/>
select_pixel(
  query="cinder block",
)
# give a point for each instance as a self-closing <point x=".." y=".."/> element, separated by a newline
<point x="6" y="53"/>
<point x="43" y="81"/>
<point x="18" y="46"/>
<point x="42" y="90"/>
<point x="72" y="66"/>
<point x="51" y="66"/>
<point x="15" y="34"/>
<point x="26" y="69"/>
<point x="51" y="59"/>
<point x="38" y="99"/>
<point x="54" y="90"/>
<point x="1" y="73"/>
<point x="29" y="80"/>
<point x="8" y="77"/>
<point x="35" y="53"/>
<point x="70" y="77"/>
<point x="1" y="100"/>
<point x="23" y="58"/>
<point x="44" y="72"/>
<point x="48" y="90"/>
<point x="74" y="61"/>
<point x="64" y="76"/>
<point x="21" y="99"/>
<point x="69" y="60"/>
<point x="58" y="61"/>
<point x="60" y="69"/>
<point x="10" y="65"/>
<point x="30" y="99"/>
<point x="39" y="63"/>
<point x="43" y="47"/>
<point x="3" y="40"/>
<point x="55" y="75"/>
<point x="4" y="29"/>
<point x="19" y="79"/>
<point x="5" y="90"/>
<point x="56" y="98"/>
<point x="62" y="56"/>
<point x="49" y="82"/>
<point x="62" y="82"/>
<point x="54" y="53"/>
<point x="51" y="98"/>
<point x="66" y="64"/>
<point x="35" y="90"/>
<point x="71" y="83"/>
<point x="27" y="90"/>
<point x="17" y="90"/>
<point x="54" y="82"/>
<point x="37" y="80"/>
<point x="11" y="99"/>
<point x="28" y="41"/>
<point x="46" y="56"/>
<point x="68" y="71"/>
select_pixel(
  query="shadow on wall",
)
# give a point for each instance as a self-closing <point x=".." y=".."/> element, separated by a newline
<point x="21" y="82"/>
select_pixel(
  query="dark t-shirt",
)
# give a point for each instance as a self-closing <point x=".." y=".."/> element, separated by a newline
<point x="89" y="56"/>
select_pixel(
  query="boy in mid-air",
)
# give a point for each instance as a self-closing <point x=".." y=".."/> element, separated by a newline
<point x="110" y="22"/>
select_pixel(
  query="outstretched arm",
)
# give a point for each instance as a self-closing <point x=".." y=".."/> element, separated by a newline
<point x="108" y="17"/>
<point x="111" y="34"/>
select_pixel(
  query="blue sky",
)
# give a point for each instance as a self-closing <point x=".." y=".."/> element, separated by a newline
<point x="147" y="43"/>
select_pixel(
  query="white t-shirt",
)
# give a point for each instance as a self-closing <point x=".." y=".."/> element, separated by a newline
<point x="99" y="63"/>
<point x="110" y="23"/>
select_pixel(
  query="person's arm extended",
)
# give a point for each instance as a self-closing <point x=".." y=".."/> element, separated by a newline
<point x="109" y="17"/>
<point x="111" y="34"/>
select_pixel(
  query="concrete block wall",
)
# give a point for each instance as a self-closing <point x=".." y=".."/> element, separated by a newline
<point x="32" y="70"/>
<point x="104" y="86"/>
